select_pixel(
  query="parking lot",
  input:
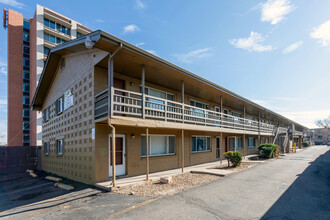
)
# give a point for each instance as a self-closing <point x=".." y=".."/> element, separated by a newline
<point x="24" y="197"/>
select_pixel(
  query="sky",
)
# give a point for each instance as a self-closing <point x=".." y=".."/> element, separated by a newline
<point x="273" y="52"/>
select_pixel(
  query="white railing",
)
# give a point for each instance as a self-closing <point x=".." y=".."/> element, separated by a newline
<point x="127" y="103"/>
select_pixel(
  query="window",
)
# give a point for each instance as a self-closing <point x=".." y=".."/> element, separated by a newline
<point x="26" y="75"/>
<point x="59" y="146"/>
<point x="45" y="114"/>
<point x="46" y="148"/>
<point x="59" y="105"/>
<point x="239" y="143"/>
<point x="201" y="144"/>
<point x="52" y="39"/>
<point x="26" y="24"/>
<point x="26" y="139"/>
<point x="26" y="125"/>
<point x="58" y="27"/>
<point x="26" y="62"/>
<point x="159" y="145"/>
<point x="26" y="36"/>
<point x="52" y="24"/>
<point x="80" y="34"/>
<point x="199" y="104"/>
<point x="46" y="50"/>
<point x="46" y="22"/>
<point x="251" y="142"/>
<point x="26" y="100"/>
<point x="26" y="50"/>
<point x="26" y="113"/>
<point x="68" y="31"/>
<point x="235" y="143"/>
<point x="26" y="87"/>
<point x="235" y="114"/>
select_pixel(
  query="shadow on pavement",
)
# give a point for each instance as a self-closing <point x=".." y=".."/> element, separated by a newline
<point x="21" y="193"/>
<point x="309" y="195"/>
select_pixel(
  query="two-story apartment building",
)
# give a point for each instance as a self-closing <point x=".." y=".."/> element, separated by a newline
<point x="161" y="116"/>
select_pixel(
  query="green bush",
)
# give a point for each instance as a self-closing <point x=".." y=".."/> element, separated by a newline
<point x="269" y="150"/>
<point x="305" y="144"/>
<point x="234" y="157"/>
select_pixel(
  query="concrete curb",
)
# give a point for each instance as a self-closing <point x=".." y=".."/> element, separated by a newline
<point x="52" y="178"/>
<point x="64" y="186"/>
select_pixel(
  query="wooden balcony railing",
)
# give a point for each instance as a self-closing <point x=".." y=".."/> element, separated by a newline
<point x="129" y="104"/>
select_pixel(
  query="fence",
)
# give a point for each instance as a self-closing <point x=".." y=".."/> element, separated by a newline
<point x="19" y="158"/>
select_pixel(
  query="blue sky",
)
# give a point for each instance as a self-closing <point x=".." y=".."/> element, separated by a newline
<point x="274" y="52"/>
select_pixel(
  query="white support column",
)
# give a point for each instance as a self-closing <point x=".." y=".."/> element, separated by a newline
<point x="110" y="85"/>
<point x="147" y="154"/>
<point x="182" y="99"/>
<point x="143" y="92"/>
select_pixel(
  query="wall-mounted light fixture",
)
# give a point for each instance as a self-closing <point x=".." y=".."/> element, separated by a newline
<point x="133" y="136"/>
<point x="131" y="83"/>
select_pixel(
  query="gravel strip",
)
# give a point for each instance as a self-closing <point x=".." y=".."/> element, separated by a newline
<point x="179" y="183"/>
<point x="243" y="166"/>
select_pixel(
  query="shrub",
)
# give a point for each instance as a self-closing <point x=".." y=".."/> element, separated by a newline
<point x="269" y="150"/>
<point x="305" y="144"/>
<point x="234" y="157"/>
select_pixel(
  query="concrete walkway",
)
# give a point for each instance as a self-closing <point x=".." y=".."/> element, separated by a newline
<point x="200" y="168"/>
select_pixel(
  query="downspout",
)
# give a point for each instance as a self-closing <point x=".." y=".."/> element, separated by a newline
<point x="110" y="100"/>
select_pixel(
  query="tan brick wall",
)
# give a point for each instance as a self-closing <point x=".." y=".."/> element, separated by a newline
<point x="74" y="124"/>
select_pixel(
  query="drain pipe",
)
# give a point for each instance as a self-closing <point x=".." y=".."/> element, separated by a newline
<point x="110" y="108"/>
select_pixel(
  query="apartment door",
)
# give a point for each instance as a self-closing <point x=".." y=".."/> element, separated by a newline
<point x="232" y="143"/>
<point x="120" y="155"/>
<point x="218" y="151"/>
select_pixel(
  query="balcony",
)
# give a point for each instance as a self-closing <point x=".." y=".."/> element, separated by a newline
<point x="130" y="104"/>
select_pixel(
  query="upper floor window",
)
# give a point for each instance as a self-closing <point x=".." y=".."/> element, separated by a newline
<point x="26" y="100"/>
<point x="26" y="62"/>
<point x="46" y="22"/>
<point x="26" y="125"/>
<point x="46" y="50"/>
<point x="45" y="114"/>
<point x="26" y="36"/>
<point x="26" y="87"/>
<point x="59" y="105"/>
<point x="60" y="146"/>
<point x="79" y="34"/>
<point x="199" y="104"/>
<point x="201" y="144"/>
<point x="235" y="114"/>
<point x="26" y="113"/>
<point x="49" y="38"/>
<point x="26" y="24"/>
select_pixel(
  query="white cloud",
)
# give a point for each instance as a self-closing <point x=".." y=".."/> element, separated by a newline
<point x="273" y="11"/>
<point x="131" y="28"/>
<point x="152" y="51"/>
<point x="12" y="3"/>
<point x="100" y="20"/>
<point x="140" y="5"/>
<point x="251" y="43"/>
<point x="322" y="33"/>
<point x="193" y="55"/>
<point x="292" y="47"/>
<point x="307" y="118"/>
<point x="3" y="66"/>
<point x="3" y="138"/>
<point x="3" y="101"/>
<point x="3" y="70"/>
<point x="140" y="44"/>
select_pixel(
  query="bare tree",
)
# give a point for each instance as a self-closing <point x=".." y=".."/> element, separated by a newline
<point x="324" y="123"/>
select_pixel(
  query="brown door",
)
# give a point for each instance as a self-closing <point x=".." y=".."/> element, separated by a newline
<point x="120" y="155"/>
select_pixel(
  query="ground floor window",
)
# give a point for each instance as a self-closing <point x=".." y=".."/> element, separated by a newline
<point x="159" y="145"/>
<point x="201" y="144"/>
<point x="46" y="148"/>
<point x="251" y="142"/>
<point x="235" y="143"/>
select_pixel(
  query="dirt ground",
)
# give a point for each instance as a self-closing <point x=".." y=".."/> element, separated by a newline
<point x="180" y="183"/>
<point x="243" y="166"/>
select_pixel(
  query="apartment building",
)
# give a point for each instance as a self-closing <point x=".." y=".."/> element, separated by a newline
<point x="320" y="136"/>
<point x="29" y="41"/>
<point x="106" y="100"/>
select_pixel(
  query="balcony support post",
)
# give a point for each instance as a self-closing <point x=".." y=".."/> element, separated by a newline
<point x="221" y="111"/>
<point x="244" y="146"/>
<point x="147" y="154"/>
<point x="110" y="85"/>
<point x="143" y="92"/>
<point x="182" y="99"/>
<point x="182" y="150"/>
<point x="244" y="116"/>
